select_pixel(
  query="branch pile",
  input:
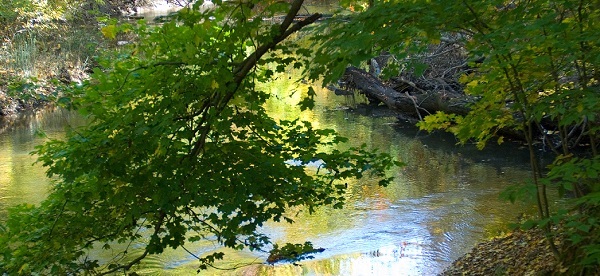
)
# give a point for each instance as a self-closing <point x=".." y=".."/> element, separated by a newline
<point x="415" y="96"/>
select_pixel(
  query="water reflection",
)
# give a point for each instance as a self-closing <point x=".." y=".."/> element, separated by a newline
<point x="21" y="181"/>
<point x="443" y="202"/>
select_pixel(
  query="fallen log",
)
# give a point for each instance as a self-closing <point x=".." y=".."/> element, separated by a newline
<point x="414" y="102"/>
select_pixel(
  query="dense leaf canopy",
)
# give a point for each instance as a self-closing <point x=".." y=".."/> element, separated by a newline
<point x="180" y="144"/>
<point x="180" y="147"/>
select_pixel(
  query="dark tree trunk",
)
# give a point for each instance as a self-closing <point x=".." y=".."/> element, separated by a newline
<point x="412" y="101"/>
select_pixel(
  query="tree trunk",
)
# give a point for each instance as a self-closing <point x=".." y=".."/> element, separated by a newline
<point x="411" y="101"/>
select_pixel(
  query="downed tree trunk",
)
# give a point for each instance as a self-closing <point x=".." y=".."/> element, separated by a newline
<point x="414" y="101"/>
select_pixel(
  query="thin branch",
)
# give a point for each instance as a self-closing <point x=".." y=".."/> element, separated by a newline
<point x="127" y="266"/>
<point x="583" y="127"/>
<point x="416" y="106"/>
<point x="124" y="252"/>
<point x="250" y="62"/>
<point x="189" y="252"/>
<point x="235" y="267"/>
<point x="57" y="218"/>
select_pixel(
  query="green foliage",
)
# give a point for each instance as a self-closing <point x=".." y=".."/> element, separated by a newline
<point x="538" y="78"/>
<point x="12" y="9"/>
<point x="578" y="178"/>
<point x="292" y="252"/>
<point x="180" y="149"/>
<point x="23" y="88"/>
<point x="39" y="45"/>
<point x="539" y="72"/>
<point x="181" y="145"/>
<point x="402" y="28"/>
<point x="566" y="171"/>
<point x="18" y="14"/>
<point x="525" y="191"/>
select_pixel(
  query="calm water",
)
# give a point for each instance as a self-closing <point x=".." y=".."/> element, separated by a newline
<point x="21" y="181"/>
<point x="443" y="202"/>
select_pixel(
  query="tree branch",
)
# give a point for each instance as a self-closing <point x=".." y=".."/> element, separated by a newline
<point x="250" y="62"/>
<point x="125" y="267"/>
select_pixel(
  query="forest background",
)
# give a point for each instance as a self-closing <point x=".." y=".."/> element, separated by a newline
<point x="530" y="67"/>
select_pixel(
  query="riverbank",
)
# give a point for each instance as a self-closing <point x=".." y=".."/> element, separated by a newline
<point x="521" y="252"/>
<point x="8" y="105"/>
<point x="39" y="52"/>
<point x="20" y="101"/>
<point x="36" y="63"/>
<point x="517" y="253"/>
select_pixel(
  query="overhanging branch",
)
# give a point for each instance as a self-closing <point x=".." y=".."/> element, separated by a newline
<point x="241" y="72"/>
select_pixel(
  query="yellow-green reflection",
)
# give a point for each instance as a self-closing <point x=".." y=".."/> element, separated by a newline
<point x="22" y="181"/>
<point x="444" y="201"/>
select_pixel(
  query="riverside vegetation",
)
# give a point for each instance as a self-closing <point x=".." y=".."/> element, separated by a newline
<point x="182" y="102"/>
<point x="45" y="44"/>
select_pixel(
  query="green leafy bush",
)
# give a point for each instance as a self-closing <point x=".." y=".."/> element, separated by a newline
<point x="181" y="146"/>
<point x="536" y="75"/>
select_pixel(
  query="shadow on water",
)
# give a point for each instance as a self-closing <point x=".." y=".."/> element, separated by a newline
<point x="444" y="201"/>
<point x="441" y="203"/>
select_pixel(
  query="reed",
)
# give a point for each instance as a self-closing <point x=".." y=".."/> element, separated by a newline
<point x="23" y="52"/>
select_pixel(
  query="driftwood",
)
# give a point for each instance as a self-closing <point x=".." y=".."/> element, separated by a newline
<point x="411" y="101"/>
<point x="438" y="89"/>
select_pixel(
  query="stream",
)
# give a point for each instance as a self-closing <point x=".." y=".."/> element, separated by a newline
<point x="444" y="201"/>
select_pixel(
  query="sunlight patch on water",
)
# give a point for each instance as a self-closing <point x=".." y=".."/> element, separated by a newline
<point x="311" y="164"/>
<point x="440" y="205"/>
